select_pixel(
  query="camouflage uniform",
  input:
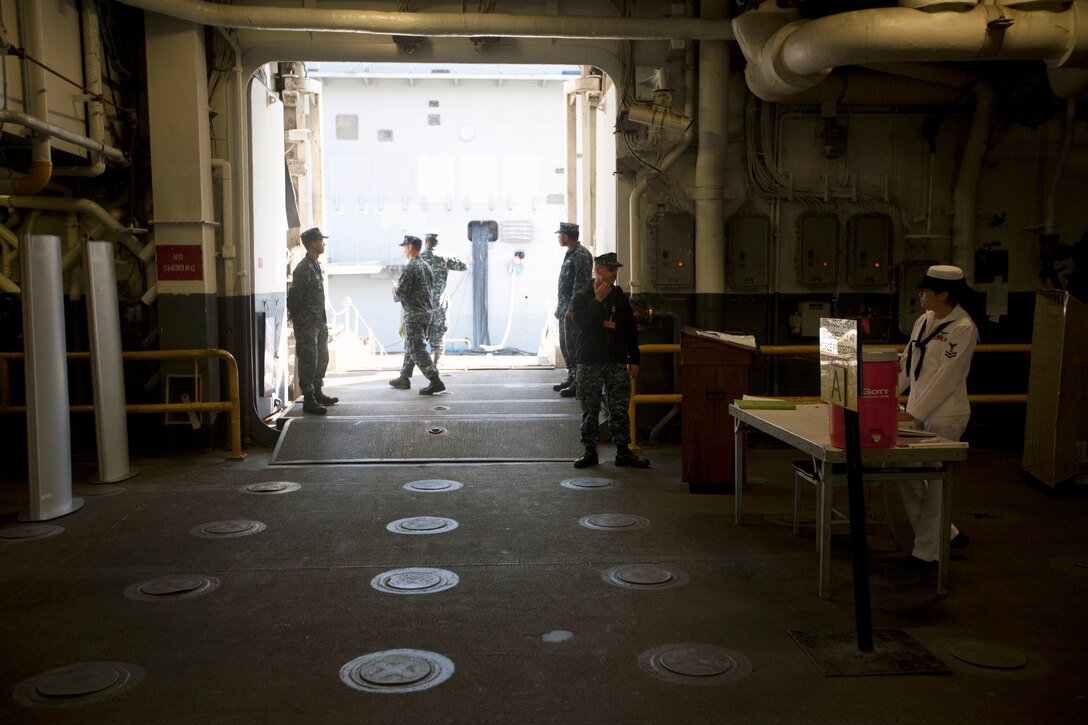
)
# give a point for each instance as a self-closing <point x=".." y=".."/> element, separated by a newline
<point x="306" y="304"/>
<point x="575" y="273"/>
<point x="603" y="356"/>
<point x="436" y="335"/>
<point x="414" y="292"/>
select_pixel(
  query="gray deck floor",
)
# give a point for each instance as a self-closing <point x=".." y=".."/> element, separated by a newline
<point x="535" y="629"/>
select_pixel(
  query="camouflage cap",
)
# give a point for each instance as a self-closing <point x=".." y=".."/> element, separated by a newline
<point x="567" y="228"/>
<point x="414" y="241"/>
<point x="432" y="235"/>
<point x="311" y="234"/>
<point x="608" y="259"/>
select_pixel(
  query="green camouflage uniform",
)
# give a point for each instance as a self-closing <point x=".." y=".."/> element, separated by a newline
<point x="436" y="335"/>
<point x="306" y="305"/>
<point x="415" y="294"/>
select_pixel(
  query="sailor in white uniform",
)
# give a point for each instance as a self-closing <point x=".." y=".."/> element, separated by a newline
<point x="934" y="366"/>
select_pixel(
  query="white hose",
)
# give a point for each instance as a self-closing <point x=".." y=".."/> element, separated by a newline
<point x="509" y="315"/>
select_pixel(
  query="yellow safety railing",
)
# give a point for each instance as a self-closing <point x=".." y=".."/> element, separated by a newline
<point x="231" y="406"/>
<point x="676" y="398"/>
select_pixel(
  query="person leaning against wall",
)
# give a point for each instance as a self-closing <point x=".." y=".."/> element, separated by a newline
<point x="306" y="310"/>
<point x="934" y="366"/>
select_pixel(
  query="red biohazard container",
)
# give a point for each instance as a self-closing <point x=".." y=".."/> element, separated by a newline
<point x="878" y="403"/>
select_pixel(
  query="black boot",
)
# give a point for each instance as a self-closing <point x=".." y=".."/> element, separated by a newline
<point x="565" y="384"/>
<point x="589" y="458"/>
<point x="436" y="386"/>
<point x="310" y="405"/>
<point x="320" y="397"/>
<point x="569" y="392"/>
<point x="401" y="383"/>
<point x="626" y="457"/>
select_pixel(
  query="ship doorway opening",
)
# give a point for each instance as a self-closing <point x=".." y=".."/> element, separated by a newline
<point x="489" y="158"/>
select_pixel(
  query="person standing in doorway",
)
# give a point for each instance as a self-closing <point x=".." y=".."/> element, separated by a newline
<point x="415" y="292"/>
<point x="440" y="270"/>
<point x="306" y="308"/>
<point x="575" y="273"/>
<point x="934" y="366"/>
<point x="608" y="359"/>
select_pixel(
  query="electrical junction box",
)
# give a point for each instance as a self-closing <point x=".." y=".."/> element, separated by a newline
<point x="869" y="252"/>
<point x="674" y="250"/>
<point x="747" y="245"/>
<point x="817" y="249"/>
<point x="811" y="312"/>
<point x="910" y="274"/>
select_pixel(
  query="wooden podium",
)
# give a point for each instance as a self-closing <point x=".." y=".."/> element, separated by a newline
<point x="713" y="372"/>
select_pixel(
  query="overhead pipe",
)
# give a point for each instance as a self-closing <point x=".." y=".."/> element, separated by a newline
<point x="965" y="192"/>
<point x="448" y="25"/>
<point x="41" y="163"/>
<point x="787" y="55"/>
<point x="1050" y="225"/>
<point x="709" y="193"/>
<point x="92" y="78"/>
<point x="634" y="201"/>
<point x="85" y="206"/>
<point x="49" y="130"/>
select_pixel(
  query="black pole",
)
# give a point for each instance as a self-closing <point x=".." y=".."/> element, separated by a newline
<point x="862" y="609"/>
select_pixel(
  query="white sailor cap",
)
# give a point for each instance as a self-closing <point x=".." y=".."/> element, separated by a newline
<point x="942" y="277"/>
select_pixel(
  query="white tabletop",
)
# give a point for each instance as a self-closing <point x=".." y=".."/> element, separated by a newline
<point x="805" y="428"/>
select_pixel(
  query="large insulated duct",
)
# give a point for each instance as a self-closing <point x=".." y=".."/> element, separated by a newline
<point x="787" y="55"/>
<point x="450" y="25"/>
<point x="41" y="155"/>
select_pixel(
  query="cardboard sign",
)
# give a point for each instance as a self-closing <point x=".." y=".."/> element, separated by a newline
<point x="179" y="262"/>
<point x="840" y="345"/>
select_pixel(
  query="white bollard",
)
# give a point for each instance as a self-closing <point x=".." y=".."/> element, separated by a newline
<point x="49" y="431"/>
<point x="110" y="417"/>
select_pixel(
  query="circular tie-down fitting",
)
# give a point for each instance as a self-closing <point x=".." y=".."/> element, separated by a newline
<point x="78" y="684"/>
<point x="436" y="430"/>
<point x="986" y="658"/>
<point x="695" y="664"/>
<point x="644" y="576"/>
<point x="415" y="580"/>
<point x="433" y="485"/>
<point x="589" y="484"/>
<point x="227" y="529"/>
<point x="440" y="407"/>
<point x="418" y="525"/>
<point x="396" y="670"/>
<point x="271" y="487"/>
<point x="172" y="587"/>
<point x="613" y="522"/>
<point x="29" y="532"/>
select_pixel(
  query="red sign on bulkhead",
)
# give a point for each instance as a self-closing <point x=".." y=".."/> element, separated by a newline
<point x="179" y="262"/>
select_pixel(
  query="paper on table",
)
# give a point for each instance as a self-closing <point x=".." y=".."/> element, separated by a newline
<point x="747" y="341"/>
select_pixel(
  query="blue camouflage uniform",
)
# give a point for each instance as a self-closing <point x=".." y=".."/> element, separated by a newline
<point x="306" y="304"/>
<point x="575" y="273"/>
<point x="436" y="335"/>
<point x="603" y="356"/>
<point x="415" y="294"/>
